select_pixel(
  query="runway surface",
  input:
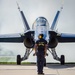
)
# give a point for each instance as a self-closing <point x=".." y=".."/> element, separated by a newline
<point x="50" y="69"/>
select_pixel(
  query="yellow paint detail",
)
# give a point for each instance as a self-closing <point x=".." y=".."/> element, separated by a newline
<point x="41" y="44"/>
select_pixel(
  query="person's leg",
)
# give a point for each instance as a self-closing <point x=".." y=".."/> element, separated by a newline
<point x="44" y="61"/>
<point x="41" y="63"/>
<point x="38" y="63"/>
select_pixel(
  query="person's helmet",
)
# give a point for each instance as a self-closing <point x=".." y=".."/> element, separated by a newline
<point x="40" y="36"/>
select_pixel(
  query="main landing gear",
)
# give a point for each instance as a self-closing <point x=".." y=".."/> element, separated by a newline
<point x="18" y="60"/>
<point x="55" y="56"/>
<point x="52" y="51"/>
<point x="26" y="55"/>
<point x="62" y="60"/>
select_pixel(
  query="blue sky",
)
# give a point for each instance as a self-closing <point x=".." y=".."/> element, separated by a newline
<point x="11" y="22"/>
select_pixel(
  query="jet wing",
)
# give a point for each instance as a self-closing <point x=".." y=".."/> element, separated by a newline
<point x="16" y="38"/>
<point x="12" y="38"/>
<point x="64" y="37"/>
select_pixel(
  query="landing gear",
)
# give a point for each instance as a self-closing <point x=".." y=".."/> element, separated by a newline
<point x="55" y="56"/>
<point x="18" y="60"/>
<point x="62" y="60"/>
<point x="25" y="57"/>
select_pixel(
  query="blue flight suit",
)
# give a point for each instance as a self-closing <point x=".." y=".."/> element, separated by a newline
<point x="40" y="54"/>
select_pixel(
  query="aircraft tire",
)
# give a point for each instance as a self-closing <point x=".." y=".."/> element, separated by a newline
<point x="62" y="60"/>
<point x="18" y="60"/>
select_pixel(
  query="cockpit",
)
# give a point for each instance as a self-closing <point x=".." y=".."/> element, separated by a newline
<point x="41" y="26"/>
<point x="41" y="21"/>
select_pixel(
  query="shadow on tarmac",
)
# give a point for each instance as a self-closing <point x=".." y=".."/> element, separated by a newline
<point x="50" y="74"/>
<point x="58" y="66"/>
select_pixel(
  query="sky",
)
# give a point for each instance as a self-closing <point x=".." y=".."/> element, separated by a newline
<point x="11" y="22"/>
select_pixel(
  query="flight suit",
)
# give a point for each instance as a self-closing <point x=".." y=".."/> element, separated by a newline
<point x="41" y="43"/>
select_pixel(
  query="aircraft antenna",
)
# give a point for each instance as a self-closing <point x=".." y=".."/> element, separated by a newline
<point x="18" y="6"/>
<point x="62" y="4"/>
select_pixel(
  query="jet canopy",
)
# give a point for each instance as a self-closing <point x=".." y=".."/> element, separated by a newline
<point x="41" y="26"/>
<point x="40" y="21"/>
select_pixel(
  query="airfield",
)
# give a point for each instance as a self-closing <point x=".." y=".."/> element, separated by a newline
<point x="50" y="69"/>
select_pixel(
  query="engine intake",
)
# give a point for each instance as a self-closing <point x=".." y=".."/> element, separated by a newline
<point x="28" y="42"/>
<point x="53" y="43"/>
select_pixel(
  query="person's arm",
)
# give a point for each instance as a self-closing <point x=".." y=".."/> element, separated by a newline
<point x="35" y="48"/>
<point x="45" y="49"/>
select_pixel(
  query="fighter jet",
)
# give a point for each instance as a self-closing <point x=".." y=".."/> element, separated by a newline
<point x="29" y="37"/>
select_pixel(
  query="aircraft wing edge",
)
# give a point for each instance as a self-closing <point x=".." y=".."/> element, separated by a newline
<point x="12" y="38"/>
<point x="64" y="38"/>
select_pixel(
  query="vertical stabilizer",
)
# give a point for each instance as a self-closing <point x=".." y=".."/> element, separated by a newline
<point x="24" y="19"/>
<point x="53" y="26"/>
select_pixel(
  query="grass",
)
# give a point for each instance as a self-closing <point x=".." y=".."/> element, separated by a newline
<point x="7" y="63"/>
<point x="29" y="63"/>
<point x="14" y="63"/>
<point x="10" y="60"/>
<point x="7" y="58"/>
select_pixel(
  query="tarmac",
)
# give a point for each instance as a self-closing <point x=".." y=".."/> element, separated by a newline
<point x="50" y="69"/>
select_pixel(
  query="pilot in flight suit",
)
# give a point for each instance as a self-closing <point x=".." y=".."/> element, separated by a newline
<point x="40" y="50"/>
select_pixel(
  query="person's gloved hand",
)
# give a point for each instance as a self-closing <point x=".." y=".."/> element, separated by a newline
<point x="34" y="54"/>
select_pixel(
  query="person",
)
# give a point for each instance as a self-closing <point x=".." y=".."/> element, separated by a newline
<point x="40" y="50"/>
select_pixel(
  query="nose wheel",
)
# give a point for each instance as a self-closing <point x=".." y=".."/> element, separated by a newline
<point x="62" y="60"/>
<point x="18" y="60"/>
